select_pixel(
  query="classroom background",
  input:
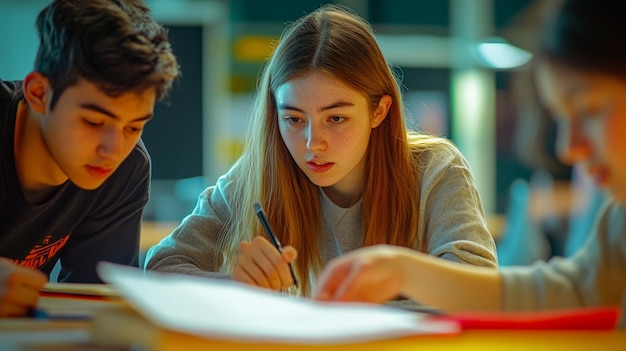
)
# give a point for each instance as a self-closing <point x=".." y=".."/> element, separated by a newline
<point x="464" y="70"/>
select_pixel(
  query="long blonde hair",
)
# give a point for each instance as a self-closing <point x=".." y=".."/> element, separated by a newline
<point x="335" y="41"/>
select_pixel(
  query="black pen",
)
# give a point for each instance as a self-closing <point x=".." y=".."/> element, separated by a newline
<point x="273" y="238"/>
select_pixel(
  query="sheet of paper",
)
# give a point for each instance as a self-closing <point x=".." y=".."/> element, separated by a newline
<point x="229" y="310"/>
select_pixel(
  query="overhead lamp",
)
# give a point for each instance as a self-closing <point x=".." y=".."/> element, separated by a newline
<point x="497" y="53"/>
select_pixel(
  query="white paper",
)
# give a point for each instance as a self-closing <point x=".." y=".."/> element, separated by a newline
<point x="229" y="310"/>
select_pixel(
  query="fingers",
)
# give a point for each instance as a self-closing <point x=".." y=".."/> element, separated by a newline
<point x="273" y="264"/>
<point x="289" y="253"/>
<point x="17" y="301"/>
<point x="19" y="289"/>
<point x="334" y="280"/>
<point x="246" y="270"/>
<point x="364" y="284"/>
<point x="28" y="278"/>
<point x="260" y="264"/>
<point x="366" y="275"/>
<point x="347" y="281"/>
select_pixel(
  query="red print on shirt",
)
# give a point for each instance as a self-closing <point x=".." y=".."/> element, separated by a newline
<point x="40" y="254"/>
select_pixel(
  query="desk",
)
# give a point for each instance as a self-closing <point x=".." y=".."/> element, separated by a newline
<point x="153" y="232"/>
<point x="25" y="334"/>
<point x="469" y="341"/>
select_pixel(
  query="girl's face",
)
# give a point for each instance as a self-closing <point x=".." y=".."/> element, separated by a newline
<point x="590" y="109"/>
<point x="326" y="126"/>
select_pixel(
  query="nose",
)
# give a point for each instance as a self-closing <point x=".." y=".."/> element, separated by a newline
<point x="316" y="139"/>
<point x="572" y="143"/>
<point x="111" y="144"/>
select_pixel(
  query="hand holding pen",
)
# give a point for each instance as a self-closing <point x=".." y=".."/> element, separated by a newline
<point x="264" y="263"/>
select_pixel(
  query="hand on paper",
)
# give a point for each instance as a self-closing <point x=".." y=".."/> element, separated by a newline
<point x="19" y="288"/>
<point x="260" y="264"/>
<point x="371" y="274"/>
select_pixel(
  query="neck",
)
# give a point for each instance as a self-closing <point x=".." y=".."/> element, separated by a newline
<point x="340" y="199"/>
<point x="38" y="173"/>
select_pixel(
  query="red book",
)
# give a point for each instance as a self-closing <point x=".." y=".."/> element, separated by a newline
<point x="602" y="318"/>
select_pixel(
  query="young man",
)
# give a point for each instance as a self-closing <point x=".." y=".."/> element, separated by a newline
<point x="74" y="174"/>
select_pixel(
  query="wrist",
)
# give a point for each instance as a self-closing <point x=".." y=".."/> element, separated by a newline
<point x="404" y="265"/>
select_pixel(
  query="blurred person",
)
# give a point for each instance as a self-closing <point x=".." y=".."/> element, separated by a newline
<point x="329" y="157"/>
<point x="581" y="77"/>
<point x="74" y="174"/>
<point x="540" y="206"/>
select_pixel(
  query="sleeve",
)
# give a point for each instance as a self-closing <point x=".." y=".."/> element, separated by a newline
<point x="192" y="247"/>
<point x="594" y="276"/>
<point x="112" y="230"/>
<point x="452" y="219"/>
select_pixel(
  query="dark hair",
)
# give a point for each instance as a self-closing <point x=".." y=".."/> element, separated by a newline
<point x="587" y="35"/>
<point x="114" y="44"/>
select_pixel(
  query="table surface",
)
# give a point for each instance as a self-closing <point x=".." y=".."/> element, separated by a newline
<point x="43" y="335"/>
<point x="153" y="232"/>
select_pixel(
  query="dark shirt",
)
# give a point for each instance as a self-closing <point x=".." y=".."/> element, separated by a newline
<point x="78" y="227"/>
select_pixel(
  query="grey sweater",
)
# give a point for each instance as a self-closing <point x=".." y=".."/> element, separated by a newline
<point x="594" y="276"/>
<point x="451" y="220"/>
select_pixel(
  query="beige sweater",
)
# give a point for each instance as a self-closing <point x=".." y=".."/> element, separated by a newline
<point x="594" y="276"/>
<point x="451" y="220"/>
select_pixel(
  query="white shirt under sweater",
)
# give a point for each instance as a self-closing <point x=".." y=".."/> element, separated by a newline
<point x="451" y="221"/>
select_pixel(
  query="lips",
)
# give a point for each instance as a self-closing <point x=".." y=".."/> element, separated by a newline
<point x="99" y="172"/>
<point x="319" y="167"/>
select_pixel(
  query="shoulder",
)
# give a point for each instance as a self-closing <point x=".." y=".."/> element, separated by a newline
<point x="612" y="233"/>
<point x="10" y="93"/>
<point x="613" y="221"/>
<point x="438" y="162"/>
<point x="10" y="88"/>
<point x="616" y="210"/>
<point x="427" y="151"/>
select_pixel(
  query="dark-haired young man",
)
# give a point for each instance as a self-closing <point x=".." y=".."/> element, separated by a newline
<point x="74" y="174"/>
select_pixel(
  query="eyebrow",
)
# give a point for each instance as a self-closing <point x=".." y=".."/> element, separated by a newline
<point x="325" y="108"/>
<point x="102" y="110"/>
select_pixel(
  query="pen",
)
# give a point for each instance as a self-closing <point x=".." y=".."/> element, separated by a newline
<point x="273" y="238"/>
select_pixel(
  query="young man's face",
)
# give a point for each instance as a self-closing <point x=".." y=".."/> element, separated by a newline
<point x="89" y="134"/>
<point x="590" y="109"/>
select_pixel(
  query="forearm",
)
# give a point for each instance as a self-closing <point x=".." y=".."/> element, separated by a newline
<point x="448" y="285"/>
<point x="178" y="266"/>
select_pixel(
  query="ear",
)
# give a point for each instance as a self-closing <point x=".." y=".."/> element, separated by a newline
<point x="37" y="91"/>
<point x="381" y="110"/>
